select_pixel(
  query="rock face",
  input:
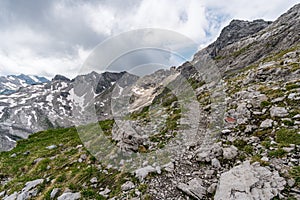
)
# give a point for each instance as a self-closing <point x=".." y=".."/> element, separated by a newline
<point x="248" y="181"/>
<point x="236" y="30"/>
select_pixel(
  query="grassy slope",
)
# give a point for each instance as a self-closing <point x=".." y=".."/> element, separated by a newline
<point x="60" y="165"/>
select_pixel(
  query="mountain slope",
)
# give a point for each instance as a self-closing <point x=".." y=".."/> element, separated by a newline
<point x="49" y="105"/>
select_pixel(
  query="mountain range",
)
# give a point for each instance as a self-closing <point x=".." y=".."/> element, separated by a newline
<point x="11" y="83"/>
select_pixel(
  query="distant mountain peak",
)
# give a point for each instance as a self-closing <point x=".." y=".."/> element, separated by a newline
<point x="11" y="83"/>
<point x="59" y="77"/>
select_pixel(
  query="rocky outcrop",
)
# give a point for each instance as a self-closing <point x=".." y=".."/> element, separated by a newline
<point x="236" y="30"/>
<point x="248" y="181"/>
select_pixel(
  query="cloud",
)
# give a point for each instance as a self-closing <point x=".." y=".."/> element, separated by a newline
<point x="55" y="36"/>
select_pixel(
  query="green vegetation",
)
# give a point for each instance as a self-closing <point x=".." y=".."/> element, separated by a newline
<point x="265" y="104"/>
<point x="257" y="158"/>
<point x="287" y="136"/>
<point x="60" y="164"/>
<point x="295" y="174"/>
<point x="292" y="86"/>
<point x="279" y="153"/>
<point x="241" y="51"/>
<point x="195" y="83"/>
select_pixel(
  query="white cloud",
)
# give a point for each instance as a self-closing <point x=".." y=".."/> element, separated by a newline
<point x="58" y="39"/>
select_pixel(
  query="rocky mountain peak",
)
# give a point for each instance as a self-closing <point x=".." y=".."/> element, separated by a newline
<point x="60" y="78"/>
<point x="236" y="30"/>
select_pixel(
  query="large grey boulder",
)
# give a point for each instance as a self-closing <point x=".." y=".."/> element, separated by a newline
<point x="247" y="182"/>
<point x="193" y="188"/>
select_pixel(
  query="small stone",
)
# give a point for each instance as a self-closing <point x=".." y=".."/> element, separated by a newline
<point x="37" y="160"/>
<point x="268" y="123"/>
<point x="288" y="149"/>
<point x="296" y="116"/>
<point x="127" y="186"/>
<point x="216" y="163"/>
<point x="279" y="99"/>
<point x="226" y="131"/>
<point x="54" y="193"/>
<point x="69" y="196"/>
<point x="83" y="156"/>
<point x="230" y="152"/>
<point x="26" y="153"/>
<point x="169" y="167"/>
<point x="266" y="159"/>
<point x="51" y="147"/>
<point x="94" y="180"/>
<point x="105" y="192"/>
<point x="2" y="194"/>
<point x="13" y="155"/>
<point x="291" y="182"/>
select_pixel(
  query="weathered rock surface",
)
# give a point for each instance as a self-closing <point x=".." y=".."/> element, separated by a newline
<point x="248" y="181"/>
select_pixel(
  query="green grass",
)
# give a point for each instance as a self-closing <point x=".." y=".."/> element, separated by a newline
<point x="287" y="136"/>
<point x="295" y="174"/>
<point x="279" y="153"/>
<point x="59" y="165"/>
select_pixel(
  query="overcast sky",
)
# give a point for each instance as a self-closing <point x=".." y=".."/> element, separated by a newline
<point x="48" y="37"/>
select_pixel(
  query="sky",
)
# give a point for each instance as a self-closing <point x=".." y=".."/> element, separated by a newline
<point x="49" y="37"/>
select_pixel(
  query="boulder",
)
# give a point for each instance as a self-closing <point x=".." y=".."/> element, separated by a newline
<point x="248" y="181"/>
